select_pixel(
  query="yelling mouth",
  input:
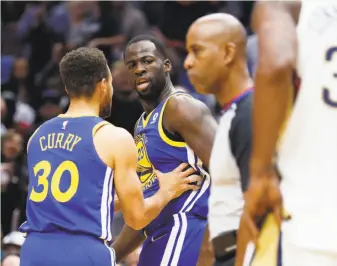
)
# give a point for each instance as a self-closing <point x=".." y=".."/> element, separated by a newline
<point x="142" y="83"/>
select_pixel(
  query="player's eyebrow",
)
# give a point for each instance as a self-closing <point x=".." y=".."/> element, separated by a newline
<point x="143" y="57"/>
<point x="129" y="61"/>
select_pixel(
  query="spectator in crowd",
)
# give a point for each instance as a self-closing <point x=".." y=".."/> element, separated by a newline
<point x="37" y="34"/>
<point x="109" y="35"/>
<point x="19" y="87"/>
<point x="51" y="69"/>
<point x="178" y="16"/>
<point x="11" y="173"/>
<point x="133" y="20"/>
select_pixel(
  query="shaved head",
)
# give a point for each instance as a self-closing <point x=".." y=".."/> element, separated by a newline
<point x="217" y="40"/>
<point x="219" y="28"/>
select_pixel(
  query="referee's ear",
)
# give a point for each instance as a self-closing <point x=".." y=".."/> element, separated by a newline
<point x="167" y="66"/>
<point x="230" y="52"/>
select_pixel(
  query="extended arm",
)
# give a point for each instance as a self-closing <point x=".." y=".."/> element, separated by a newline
<point x="137" y="211"/>
<point x="117" y="149"/>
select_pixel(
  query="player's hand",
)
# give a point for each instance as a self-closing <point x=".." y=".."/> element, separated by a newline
<point x="178" y="181"/>
<point x="262" y="196"/>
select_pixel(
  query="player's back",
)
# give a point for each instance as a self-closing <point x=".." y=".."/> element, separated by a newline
<point x="308" y="151"/>
<point x="70" y="188"/>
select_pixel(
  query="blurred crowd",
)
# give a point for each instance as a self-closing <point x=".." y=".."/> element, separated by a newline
<point x="35" y="36"/>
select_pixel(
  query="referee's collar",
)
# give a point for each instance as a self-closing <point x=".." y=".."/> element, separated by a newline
<point x="238" y="98"/>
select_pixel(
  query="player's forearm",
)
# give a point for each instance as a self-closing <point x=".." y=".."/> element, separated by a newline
<point x="127" y="241"/>
<point x="141" y="214"/>
<point x="273" y="96"/>
<point x="154" y="205"/>
<point x="272" y="102"/>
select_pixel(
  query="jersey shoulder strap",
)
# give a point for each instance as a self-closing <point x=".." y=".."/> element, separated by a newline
<point x="163" y="135"/>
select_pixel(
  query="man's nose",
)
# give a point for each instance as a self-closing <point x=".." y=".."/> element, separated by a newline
<point x="140" y="70"/>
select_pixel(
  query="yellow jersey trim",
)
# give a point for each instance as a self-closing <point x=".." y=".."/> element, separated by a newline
<point x="166" y="139"/>
<point x="136" y="125"/>
<point x="98" y="126"/>
<point x="146" y="120"/>
<point x="268" y="244"/>
<point x="31" y="137"/>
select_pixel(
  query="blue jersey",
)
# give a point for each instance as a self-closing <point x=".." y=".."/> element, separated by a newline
<point x="157" y="150"/>
<point x="70" y="188"/>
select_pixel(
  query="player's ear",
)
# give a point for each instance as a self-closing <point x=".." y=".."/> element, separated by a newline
<point x="104" y="86"/>
<point x="167" y="66"/>
<point x="229" y="52"/>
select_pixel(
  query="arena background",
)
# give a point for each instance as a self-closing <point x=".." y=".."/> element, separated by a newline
<point x="34" y="37"/>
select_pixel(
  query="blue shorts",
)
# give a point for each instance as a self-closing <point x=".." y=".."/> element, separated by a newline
<point x="61" y="248"/>
<point x="177" y="245"/>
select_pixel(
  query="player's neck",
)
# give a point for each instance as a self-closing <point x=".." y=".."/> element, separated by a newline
<point x="82" y="108"/>
<point x="237" y="81"/>
<point x="149" y="105"/>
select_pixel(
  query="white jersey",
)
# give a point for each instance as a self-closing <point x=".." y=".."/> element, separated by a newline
<point x="229" y="166"/>
<point x="308" y="150"/>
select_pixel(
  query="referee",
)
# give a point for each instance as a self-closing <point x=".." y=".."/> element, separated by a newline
<point x="216" y="63"/>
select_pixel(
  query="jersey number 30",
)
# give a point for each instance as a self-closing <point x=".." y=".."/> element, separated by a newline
<point x="55" y="180"/>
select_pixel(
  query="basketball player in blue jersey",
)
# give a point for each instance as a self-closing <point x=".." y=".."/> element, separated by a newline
<point x="174" y="128"/>
<point x="76" y="161"/>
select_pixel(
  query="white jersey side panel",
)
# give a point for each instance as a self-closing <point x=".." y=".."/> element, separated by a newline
<point x="308" y="150"/>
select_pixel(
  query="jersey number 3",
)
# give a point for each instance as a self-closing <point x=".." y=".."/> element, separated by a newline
<point x="326" y="91"/>
<point x="60" y="196"/>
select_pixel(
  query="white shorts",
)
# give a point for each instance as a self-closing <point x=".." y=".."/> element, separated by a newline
<point x="277" y="249"/>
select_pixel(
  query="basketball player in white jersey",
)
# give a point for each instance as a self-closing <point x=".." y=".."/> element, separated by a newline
<point x="307" y="150"/>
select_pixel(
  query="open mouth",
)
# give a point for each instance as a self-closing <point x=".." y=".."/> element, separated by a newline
<point x="142" y="84"/>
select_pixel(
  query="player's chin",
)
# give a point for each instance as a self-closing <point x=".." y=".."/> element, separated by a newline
<point x="144" y="93"/>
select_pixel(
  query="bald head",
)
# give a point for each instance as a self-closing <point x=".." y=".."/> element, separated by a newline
<point x="219" y="28"/>
<point x="216" y="45"/>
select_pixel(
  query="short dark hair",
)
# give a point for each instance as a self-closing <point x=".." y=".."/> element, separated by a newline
<point x="82" y="69"/>
<point x="159" y="45"/>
